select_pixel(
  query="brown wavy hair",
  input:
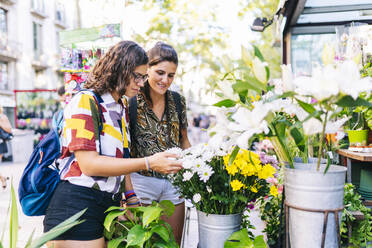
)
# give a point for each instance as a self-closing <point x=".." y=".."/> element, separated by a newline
<point x="159" y="53"/>
<point x="113" y="71"/>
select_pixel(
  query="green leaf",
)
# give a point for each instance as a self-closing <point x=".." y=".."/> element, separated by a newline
<point x="285" y="95"/>
<point x="298" y="138"/>
<point x="234" y="154"/>
<point x="13" y="232"/>
<point x="348" y="101"/>
<point x="328" y="164"/>
<point x="59" y="229"/>
<point x="306" y="106"/>
<point x="258" y="53"/>
<point x="249" y="83"/>
<point x="114" y="208"/>
<point x="29" y="241"/>
<point x="259" y="242"/>
<point x="1" y="245"/>
<point x="239" y="239"/>
<point x="151" y="214"/>
<point x="114" y="243"/>
<point x="111" y="216"/>
<point x="168" y="207"/>
<point x="162" y="231"/>
<point x="136" y="236"/>
<point x="225" y="103"/>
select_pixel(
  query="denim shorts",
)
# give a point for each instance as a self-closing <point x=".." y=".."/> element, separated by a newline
<point x="149" y="189"/>
<point x="68" y="199"/>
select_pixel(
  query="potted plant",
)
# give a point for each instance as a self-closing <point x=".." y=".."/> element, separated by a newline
<point x="220" y="184"/>
<point x="140" y="226"/>
<point x="314" y="102"/>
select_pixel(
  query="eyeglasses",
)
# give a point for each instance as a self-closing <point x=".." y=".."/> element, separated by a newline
<point x="139" y="78"/>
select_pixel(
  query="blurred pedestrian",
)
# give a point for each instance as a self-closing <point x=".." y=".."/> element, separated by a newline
<point x="7" y="128"/>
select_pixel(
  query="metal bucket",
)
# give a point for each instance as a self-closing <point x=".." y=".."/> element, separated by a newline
<point x="214" y="229"/>
<point x="307" y="188"/>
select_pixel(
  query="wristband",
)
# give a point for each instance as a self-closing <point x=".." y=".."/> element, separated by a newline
<point x="129" y="193"/>
<point x="147" y="163"/>
<point x="133" y="203"/>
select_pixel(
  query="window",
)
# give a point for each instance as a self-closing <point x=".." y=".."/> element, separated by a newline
<point x="306" y="50"/>
<point x="40" y="80"/>
<point x="38" y="5"/>
<point x="60" y="13"/>
<point x="3" y="21"/>
<point x="3" y="75"/>
<point x="37" y="39"/>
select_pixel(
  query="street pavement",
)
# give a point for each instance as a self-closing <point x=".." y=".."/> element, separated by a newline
<point x="29" y="224"/>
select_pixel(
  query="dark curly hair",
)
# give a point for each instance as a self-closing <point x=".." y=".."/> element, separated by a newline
<point x="113" y="71"/>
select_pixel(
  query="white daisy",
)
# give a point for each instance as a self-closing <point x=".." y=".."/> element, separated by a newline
<point x="205" y="173"/>
<point x="196" y="198"/>
<point x="187" y="175"/>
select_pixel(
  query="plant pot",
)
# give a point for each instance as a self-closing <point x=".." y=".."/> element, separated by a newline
<point x="307" y="188"/>
<point x="358" y="137"/>
<point x="366" y="183"/>
<point x="214" y="229"/>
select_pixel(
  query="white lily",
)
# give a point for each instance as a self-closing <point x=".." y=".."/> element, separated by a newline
<point x="227" y="90"/>
<point x="287" y="78"/>
<point x="259" y="70"/>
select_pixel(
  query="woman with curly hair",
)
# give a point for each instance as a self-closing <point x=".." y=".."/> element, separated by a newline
<point x="95" y="155"/>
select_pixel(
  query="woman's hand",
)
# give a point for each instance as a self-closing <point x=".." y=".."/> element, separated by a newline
<point x="164" y="163"/>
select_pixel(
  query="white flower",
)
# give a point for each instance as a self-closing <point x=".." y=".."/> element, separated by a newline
<point x="205" y="173"/>
<point x="187" y="176"/>
<point x="188" y="163"/>
<point x="312" y="126"/>
<point x="198" y="165"/>
<point x="287" y="78"/>
<point x="334" y="127"/>
<point x="175" y="150"/>
<point x="196" y="198"/>
<point x="259" y="70"/>
<point x="227" y="90"/>
<point x="209" y="189"/>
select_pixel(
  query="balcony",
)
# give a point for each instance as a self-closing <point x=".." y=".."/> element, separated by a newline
<point x="9" y="2"/>
<point x="9" y="50"/>
<point x="40" y="61"/>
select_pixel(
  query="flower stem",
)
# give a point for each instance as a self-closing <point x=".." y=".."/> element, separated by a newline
<point x="322" y="140"/>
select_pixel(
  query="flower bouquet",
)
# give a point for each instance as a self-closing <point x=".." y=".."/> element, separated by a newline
<point x="222" y="182"/>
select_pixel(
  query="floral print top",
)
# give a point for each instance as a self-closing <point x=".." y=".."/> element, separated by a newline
<point x="152" y="135"/>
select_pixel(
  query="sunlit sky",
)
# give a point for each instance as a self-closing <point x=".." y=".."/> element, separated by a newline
<point x="135" y="20"/>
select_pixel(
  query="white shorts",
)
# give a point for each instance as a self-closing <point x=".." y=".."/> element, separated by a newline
<point x="149" y="189"/>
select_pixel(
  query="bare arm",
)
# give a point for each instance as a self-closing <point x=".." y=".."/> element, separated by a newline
<point x="185" y="143"/>
<point x="5" y="124"/>
<point x="93" y="164"/>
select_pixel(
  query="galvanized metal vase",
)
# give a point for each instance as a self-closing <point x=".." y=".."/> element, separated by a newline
<point x="309" y="189"/>
<point x="214" y="229"/>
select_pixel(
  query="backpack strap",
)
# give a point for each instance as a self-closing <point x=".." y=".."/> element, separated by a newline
<point x="177" y="101"/>
<point x="132" y="116"/>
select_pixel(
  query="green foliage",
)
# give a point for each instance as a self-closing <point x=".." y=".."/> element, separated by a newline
<point x="142" y="228"/>
<point x="361" y="230"/>
<point x="50" y="235"/>
<point x="241" y="239"/>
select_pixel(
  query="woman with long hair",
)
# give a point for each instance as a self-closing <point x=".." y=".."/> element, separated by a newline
<point x="160" y="125"/>
<point x="95" y="147"/>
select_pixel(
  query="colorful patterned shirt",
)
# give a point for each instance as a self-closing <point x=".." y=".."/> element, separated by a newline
<point x="81" y="132"/>
<point x="153" y="135"/>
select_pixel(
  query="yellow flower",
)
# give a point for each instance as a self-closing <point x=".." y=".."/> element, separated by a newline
<point x="237" y="185"/>
<point x="266" y="172"/>
<point x="248" y="170"/>
<point x="251" y="157"/>
<point x="274" y="191"/>
<point x="254" y="189"/>
<point x="231" y="169"/>
<point x="28" y="120"/>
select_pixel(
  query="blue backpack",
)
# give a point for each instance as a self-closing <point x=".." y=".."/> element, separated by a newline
<point x="41" y="175"/>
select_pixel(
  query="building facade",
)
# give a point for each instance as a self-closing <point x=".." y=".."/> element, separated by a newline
<point x="29" y="46"/>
